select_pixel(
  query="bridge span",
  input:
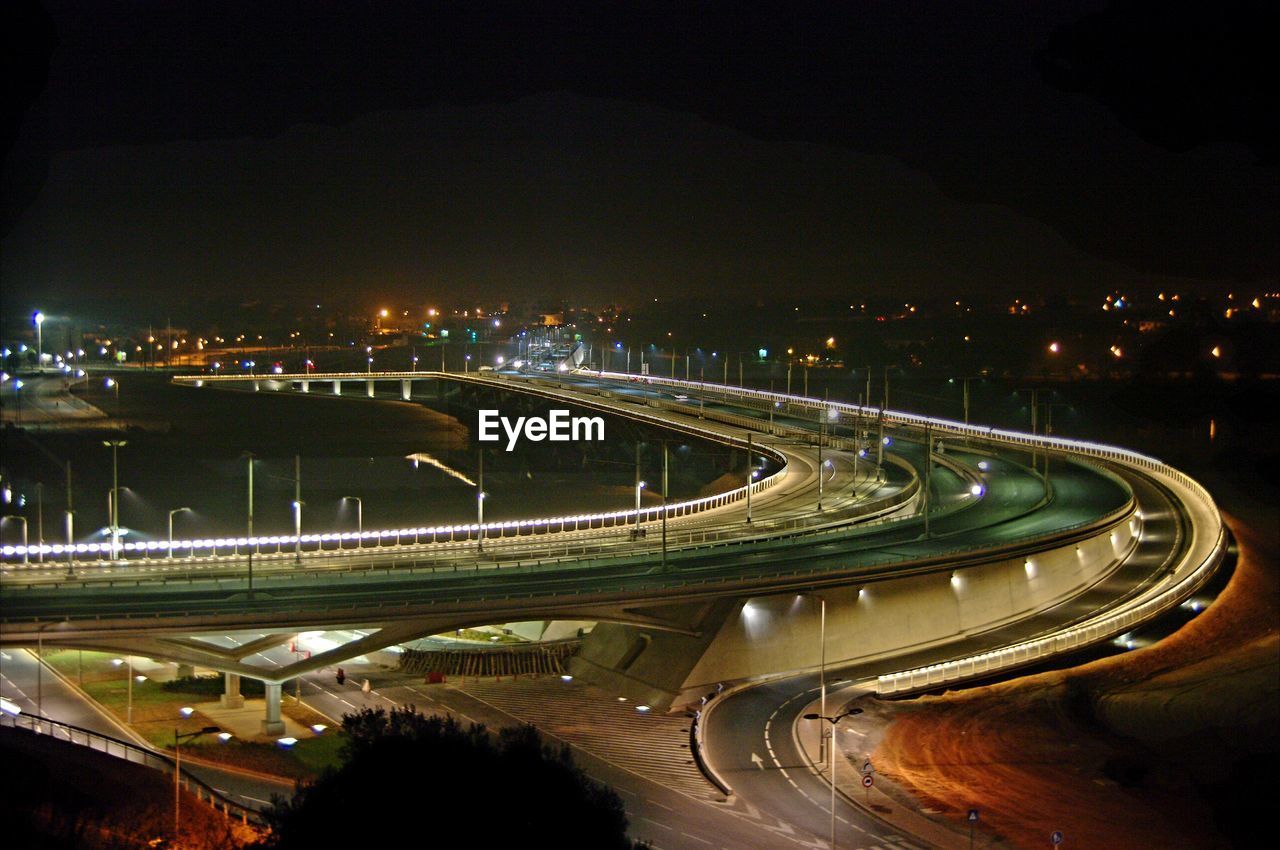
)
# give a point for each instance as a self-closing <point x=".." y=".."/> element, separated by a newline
<point x="913" y="549"/>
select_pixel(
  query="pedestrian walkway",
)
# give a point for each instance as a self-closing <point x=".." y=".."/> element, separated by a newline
<point x="653" y="745"/>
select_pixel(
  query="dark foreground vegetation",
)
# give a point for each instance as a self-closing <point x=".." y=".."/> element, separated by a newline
<point x="408" y="774"/>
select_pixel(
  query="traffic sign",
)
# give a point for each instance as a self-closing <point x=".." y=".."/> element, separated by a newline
<point x="868" y="780"/>
<point x="867" y="768"/>
<point x="1056" y="837"/>
<point x="973" y="815"/>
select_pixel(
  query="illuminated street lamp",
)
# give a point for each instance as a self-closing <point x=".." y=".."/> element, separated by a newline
<point x="359" y="519"/>
<point x="38" y="319"/>
<point x="171" y="515"/>
<point x="114" y="385"/>
<point x="115" y="494"/>
<point x="297" y="530"/>
<point x="480" y="496"/>
<point x="177" y="769"/>
<point x="832" y="753"/>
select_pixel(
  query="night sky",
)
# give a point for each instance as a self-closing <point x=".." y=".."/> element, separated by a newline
<point x="433" y="151"/>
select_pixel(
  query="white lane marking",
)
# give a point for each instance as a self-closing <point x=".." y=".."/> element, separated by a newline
<point x="654" y="822"/>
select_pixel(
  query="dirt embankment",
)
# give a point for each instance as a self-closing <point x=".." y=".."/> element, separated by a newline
<point x="70" y="796"/>
<point x="1159" y="747"/>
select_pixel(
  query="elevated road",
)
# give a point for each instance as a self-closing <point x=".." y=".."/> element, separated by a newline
<point x="985" y="504"/>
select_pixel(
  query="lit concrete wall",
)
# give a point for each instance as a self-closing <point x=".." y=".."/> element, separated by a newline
<point x="773" y="634"/>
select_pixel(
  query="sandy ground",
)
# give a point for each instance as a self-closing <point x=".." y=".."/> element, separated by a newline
<point x="1118" y="753"/>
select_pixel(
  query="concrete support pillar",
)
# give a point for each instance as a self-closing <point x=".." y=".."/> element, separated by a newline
<point x="306" y="386"/>
<point x="337" y="387"/>
<point x="271" y="723"/>
<point x="368" y="388"/>
<point x="185" y="671"/>
<point x="257" y="385"/>
<point x="231" y="697"/>
<point x="406" y="389"/>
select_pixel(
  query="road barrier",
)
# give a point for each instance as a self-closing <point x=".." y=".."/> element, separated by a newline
<point x="131" y="753"/>
<point x="287" y="545"/>
<point x="1204" y="552"/>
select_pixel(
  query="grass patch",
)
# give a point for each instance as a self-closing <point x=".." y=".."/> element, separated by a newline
<point x="305" y="760"/>
<point x="156" y="715"/>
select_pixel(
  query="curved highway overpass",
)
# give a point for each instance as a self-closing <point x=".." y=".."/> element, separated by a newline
<point x="924" y="559"/>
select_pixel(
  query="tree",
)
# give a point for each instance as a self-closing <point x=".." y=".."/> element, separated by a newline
<point x="405" y="773"/>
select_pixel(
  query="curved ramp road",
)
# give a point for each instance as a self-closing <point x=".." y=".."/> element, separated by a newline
<point x="986" y="505"/>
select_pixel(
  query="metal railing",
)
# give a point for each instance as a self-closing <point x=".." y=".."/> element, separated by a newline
<point x="133" y="754"/>
<point x="1028" y="652"/>
<point x="1138" y="610"/>
<point x="311" y="544"/>
<point x="611" y="549"/>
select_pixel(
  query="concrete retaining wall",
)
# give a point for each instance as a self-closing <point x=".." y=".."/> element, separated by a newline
<point x="778" y="633"/>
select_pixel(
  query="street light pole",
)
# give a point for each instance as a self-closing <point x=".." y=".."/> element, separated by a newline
<point x="831" y="752"/>
<point x="664" y="504"/>
<point x="40" y="521"/>
<point x="928" y="473"/>
<point x="177" y="771"/>
<point x="171" y="514"/>
<point x="38" y="318"/>
<point x="1048" y="432"/>
<point x="751" y="475"/>
<point x="115" y="494"/>
<point x="71" y="535"/>
<point x="249" y="457"/>
<point x="359" y="519"/>
<point x="822" y="423"/>
<point x="639" y="483"/>
<point x="480" y="505"/>
<point x="880" y="441"/>
<point x="297" y="509"/>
